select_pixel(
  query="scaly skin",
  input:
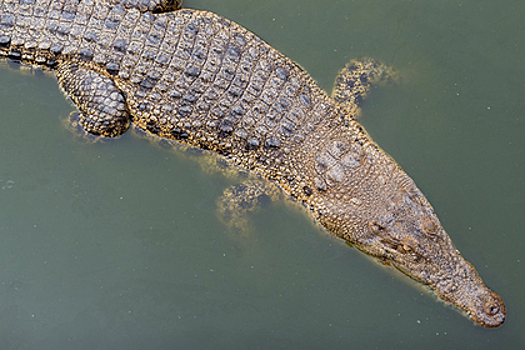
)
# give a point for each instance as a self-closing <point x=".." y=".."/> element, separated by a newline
<point x="199" y="78"/>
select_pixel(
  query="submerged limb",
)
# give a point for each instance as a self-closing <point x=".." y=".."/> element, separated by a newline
<point x="353" y="82"/>
<point x="239" y="200"/>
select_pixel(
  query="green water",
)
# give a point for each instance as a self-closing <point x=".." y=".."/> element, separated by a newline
<point x="117" y="245"/>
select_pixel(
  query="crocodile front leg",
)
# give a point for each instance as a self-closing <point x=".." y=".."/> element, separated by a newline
<point x="102" y="105"/>
<point x="238" y="201"/>
<point x="353" y="82"/>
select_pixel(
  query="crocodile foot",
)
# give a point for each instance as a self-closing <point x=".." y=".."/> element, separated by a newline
<point x="239" y="200"/>
<point x="354" y="81"/>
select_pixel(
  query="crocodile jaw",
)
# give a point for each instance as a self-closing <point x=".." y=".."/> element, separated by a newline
<point x="467" y="291"/>
<point x="456" y="281"/>
<point x="484" y="307"/>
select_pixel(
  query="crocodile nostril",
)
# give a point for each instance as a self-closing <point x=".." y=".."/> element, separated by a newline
<point x="492" y="310"/>
<point x="492" y="305"/>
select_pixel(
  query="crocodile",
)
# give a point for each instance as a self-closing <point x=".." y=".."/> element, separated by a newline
<point x="205" y="81"/>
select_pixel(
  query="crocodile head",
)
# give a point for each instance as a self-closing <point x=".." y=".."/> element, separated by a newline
<point x="410" y="237"/>
<point x="394" y="222"/>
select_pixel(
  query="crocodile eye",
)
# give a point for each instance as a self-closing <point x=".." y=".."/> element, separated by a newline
<point x="429" y="226"/>
<point x="376" y="227"/>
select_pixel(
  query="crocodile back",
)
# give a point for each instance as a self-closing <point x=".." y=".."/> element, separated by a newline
<point x="189" y="75"/>
<point x="208" y="82"/>
<point x="199" y="78"/>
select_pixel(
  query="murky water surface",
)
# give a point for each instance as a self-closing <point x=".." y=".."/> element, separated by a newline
<point x="117" y="245"/>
